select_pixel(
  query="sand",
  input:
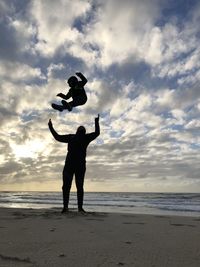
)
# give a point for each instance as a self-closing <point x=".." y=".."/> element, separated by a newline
<point x="47" y="238"/>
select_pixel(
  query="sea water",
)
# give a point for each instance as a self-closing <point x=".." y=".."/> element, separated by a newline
<point x="186" y="204"/>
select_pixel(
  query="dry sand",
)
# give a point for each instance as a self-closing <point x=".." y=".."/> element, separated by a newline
<point x="47" y="238"/>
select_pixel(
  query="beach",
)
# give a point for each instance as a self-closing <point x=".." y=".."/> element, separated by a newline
<point x="45" y="237"/>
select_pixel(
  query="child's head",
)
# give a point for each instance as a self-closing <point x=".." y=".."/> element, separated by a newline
<point x="72" y="81"/>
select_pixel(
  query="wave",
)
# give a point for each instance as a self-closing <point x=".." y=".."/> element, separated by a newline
<point x="132" y="202"/>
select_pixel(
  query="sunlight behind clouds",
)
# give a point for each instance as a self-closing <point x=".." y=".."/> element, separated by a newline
<point x="30" y="149"/>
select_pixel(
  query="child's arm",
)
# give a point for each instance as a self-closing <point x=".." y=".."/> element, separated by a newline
<point x="67" y="96"/>
<point x="82" y="77"/>
<point x="58" y="137"/>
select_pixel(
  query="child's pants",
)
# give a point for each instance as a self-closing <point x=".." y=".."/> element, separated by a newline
<point x="78" y="100"/>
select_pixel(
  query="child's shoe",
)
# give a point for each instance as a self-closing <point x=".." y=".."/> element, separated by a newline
<point x="57" y="107"/>
<point x="66" y="105"/>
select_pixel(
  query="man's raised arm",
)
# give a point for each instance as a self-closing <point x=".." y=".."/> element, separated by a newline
<point x="58" y="137"/>
<point x="92" y="136"/>
<point x="97" y="127"/>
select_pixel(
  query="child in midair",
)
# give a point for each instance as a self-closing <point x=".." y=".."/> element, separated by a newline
<point x="76" y="92"/>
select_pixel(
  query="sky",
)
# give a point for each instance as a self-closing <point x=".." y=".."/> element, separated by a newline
<point x="142" y="62"/>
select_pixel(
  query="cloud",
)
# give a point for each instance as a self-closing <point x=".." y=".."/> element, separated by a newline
<point x="18" y="34"/>
<point x="17" y="72"/>
<point x="54" y="23"/>
<point x="180" y="50"/>
<point x="118" y="29"/>
<point x="143" y="78"/>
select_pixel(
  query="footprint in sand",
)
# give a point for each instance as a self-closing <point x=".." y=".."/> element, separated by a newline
<point x="61" y="255"/>
<point x="128" y="242"/>
<point x="179" y="224"/>
<point x="15" y="259"/>
<point x="120" y="263"/>
<point x="92" y="219"/>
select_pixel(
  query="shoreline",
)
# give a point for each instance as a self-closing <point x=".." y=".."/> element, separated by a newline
<point x="45" y="237"/>
<point x="155" y="212"/>
<point x="133" y="203"/>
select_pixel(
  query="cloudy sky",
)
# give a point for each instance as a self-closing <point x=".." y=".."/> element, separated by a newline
<point x="142" y="62"/>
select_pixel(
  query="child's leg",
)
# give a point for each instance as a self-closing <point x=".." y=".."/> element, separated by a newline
<point x="78" y="101"/>
<point x="66" y="105"/>
<point x="57" y="107"/>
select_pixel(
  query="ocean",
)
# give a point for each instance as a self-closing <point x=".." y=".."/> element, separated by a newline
<point x="185" y="204"/>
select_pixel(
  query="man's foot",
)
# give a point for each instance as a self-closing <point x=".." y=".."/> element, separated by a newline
<point x="64" y="210"/>
<point x="57" y="107"/>
<point x="81" y="210"/>
<point x="66" y="105"/>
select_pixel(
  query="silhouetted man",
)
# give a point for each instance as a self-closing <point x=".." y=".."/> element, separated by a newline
<point x="75" y="162"/>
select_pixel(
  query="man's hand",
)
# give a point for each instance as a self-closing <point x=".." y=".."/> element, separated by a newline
<point x="97" y="119"/>
<point x="61" y="95"/>
<point x="50" y="123"/>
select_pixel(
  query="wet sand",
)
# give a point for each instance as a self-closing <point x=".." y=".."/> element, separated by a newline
<point x="31" y="237"/>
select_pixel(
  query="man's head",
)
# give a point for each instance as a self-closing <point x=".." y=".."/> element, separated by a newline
<point x="72" y="81"/>
<point x="81" y="130"/>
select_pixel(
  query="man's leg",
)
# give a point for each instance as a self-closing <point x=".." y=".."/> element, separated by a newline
<point x="67" y="182"/>
<point x="79" y="176"/>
